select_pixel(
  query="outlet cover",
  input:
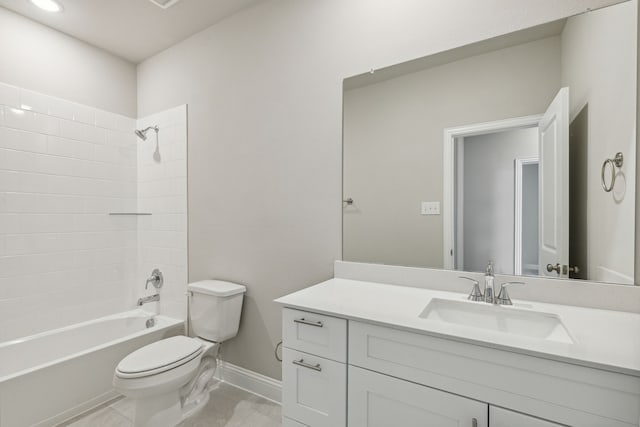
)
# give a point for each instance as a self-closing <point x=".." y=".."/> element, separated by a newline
<point x="430" y="208"/>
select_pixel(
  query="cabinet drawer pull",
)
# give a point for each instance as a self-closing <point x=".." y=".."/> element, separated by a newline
<point x="304" y="321"/>
<point x="304" y="364"/>
<point x="474" y="422"/>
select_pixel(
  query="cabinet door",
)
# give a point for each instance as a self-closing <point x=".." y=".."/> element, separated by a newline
<point x="314" y="389"/>
<point x="377" y="400"/>
<point x="499" y="417"/>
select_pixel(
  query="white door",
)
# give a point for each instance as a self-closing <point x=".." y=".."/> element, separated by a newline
<point x="553" y="186"/>
<point x="499" y="417"/>
<point x="377" y="400"/>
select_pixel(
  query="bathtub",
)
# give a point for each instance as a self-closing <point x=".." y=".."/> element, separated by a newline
<point x="50" y="377"/>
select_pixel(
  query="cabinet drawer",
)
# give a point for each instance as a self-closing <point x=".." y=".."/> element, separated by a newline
<point x="314" y="389"/>
<point x="561" y="392"/>
<point x="377" y="400"/>
<point x="317" y="334"/>
<point x="499" y="417"/>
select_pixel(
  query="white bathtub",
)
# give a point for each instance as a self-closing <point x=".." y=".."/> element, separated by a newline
<point x="50" y="377"/>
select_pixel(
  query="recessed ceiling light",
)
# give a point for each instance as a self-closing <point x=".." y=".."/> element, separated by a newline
<point x="165" y="4"/>
<point x="48" y="5"/>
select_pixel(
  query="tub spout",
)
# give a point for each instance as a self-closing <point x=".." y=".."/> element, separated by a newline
<point x="151" y="298"/>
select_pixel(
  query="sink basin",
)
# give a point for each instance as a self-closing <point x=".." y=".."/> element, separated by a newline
<point x="508" y="320"/>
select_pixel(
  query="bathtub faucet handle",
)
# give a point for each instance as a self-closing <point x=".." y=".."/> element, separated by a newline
<point x="156" y="279"/>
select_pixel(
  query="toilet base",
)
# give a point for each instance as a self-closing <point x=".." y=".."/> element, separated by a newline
<point x="171" y="408"/>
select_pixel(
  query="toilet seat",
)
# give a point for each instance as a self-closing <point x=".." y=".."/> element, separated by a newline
<point x="158" y="357"/>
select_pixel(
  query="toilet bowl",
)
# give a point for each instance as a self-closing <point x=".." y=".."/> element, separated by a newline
<point x="169" y="379"/>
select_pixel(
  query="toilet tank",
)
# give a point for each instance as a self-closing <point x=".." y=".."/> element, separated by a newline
<point x="215" y="307"/>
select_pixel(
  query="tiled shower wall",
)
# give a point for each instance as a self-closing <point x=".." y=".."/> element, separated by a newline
<point x="162" y="190"/>
<point x="63" y="168"/>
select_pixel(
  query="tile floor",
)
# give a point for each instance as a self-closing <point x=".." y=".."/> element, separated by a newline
<point x="228" y="407"/>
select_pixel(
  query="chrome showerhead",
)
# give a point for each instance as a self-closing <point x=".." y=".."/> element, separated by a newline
<point x="142" y="134"/>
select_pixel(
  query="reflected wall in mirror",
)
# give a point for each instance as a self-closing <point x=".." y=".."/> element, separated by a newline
<point x="495" y="151"/>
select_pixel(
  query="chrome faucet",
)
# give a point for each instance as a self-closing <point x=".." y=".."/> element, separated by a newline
<point x="150" y="298"/>
<point x="503" y="296"/>
<point x="476" y="293"/>
<point x="488" y="284"/>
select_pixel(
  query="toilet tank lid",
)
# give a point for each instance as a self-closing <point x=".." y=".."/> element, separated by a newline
<point x="218" y="288"/>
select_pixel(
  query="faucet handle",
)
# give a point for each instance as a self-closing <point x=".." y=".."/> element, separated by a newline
<point x="503" y="296"/>
<point x="476" y="293"/>
<point x="156" y="279"/>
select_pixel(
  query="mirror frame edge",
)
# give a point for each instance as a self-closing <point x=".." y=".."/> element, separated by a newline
<point x="636" y="267"/>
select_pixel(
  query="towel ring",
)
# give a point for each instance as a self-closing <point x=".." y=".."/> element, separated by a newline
<point x="617" y="161"/>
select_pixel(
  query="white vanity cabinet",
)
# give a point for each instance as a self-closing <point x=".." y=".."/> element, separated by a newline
<point x="314" y="374"/>
<point x="397" y="377"/>
<point x="377" y="400"/>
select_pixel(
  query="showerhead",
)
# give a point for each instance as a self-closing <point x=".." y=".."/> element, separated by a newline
<point x="142" y="134"/>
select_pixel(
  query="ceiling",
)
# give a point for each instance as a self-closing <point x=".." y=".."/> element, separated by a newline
<point x="131" y="29"/>
<point x="538" y="32"/>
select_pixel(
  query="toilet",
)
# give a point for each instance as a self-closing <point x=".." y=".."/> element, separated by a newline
<point x="168" y="379"/>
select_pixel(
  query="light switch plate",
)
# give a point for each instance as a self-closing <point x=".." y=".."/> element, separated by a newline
<point x="430" y="208"/>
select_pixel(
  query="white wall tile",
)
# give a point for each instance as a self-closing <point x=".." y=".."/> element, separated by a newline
<point x="58" y="181"/>
<point x="73" y="130"/>
<point x="162" y="191"/>
<point x="70" y="148"/>
<point x="63" y="168"/>
<point x="84" y="114"/>
<point x="9" y="95"/>
<point x="61" y="108"/>
<point x="23" y="141"/>
<point x="30" y="121"/>
<point x="107" y="120"/>
<point x="45" y="223"/>
<point x="9" y="223"/>
<point x="34" y="101"/>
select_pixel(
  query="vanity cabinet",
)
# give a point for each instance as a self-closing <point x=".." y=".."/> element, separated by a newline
<point x="314" y="377"/>
<point x="377" y="400"/>
<point x="399" y="377"/>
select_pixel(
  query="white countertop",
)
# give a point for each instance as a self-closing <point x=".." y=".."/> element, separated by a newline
<point x="603" y="339"/>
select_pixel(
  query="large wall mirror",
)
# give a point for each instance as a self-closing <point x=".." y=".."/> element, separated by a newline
<point x="519" y="150"/>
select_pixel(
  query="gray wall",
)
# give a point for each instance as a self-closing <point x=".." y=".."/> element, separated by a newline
<point x="264" y="89"/>
<point x="393" y="143"/>
<point x="489" y="188"/>
<point x="38" y="58"/>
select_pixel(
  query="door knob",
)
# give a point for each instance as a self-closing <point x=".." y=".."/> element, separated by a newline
<point x="555" y="268"/>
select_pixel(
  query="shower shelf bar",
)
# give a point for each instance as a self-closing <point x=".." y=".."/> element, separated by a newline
<point x="129" y="213"/>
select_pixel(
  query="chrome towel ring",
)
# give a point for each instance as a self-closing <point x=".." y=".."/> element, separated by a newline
<point x="613" y="163"/>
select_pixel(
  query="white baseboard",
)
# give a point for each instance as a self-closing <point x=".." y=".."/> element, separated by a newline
<point x="250" y="381"/>
<point x="79" y="411"/>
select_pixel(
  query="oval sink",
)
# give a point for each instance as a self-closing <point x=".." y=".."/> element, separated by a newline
<point x="508" y="320"/>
